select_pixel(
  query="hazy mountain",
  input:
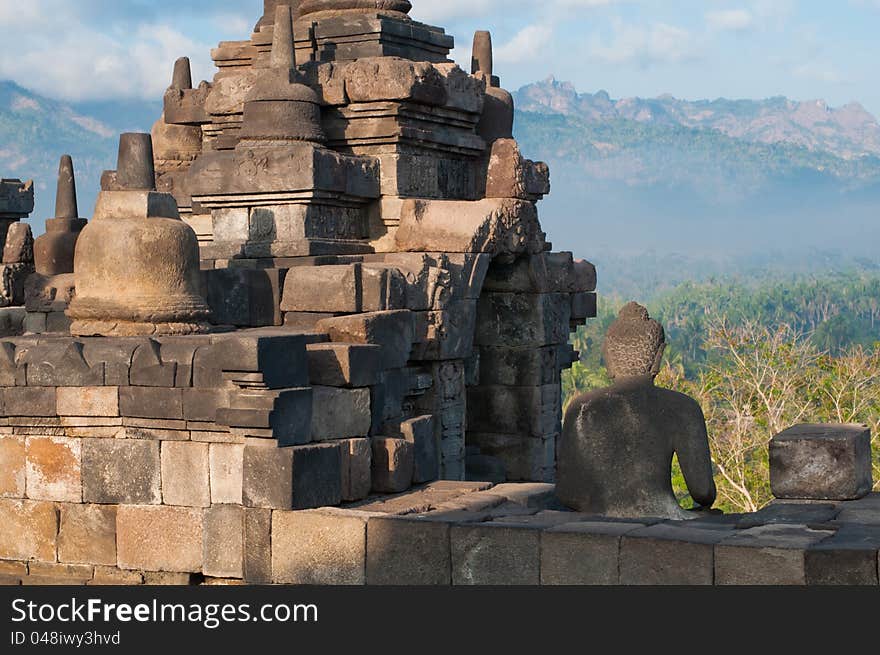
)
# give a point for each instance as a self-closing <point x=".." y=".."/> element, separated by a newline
<point x="35" y="131"/>
<point x="773" y="179"/>
<point x="705" y="178"/>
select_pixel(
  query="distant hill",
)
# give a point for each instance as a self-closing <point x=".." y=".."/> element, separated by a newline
<point x="35" y="131"/>
<point x="713" y="180"/>
<point x="704" y="178"/>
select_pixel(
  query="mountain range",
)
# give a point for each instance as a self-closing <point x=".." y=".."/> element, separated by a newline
<point x="707" y="178"/>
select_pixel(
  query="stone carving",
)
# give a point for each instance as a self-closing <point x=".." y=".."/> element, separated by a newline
<point x="137" y="263"/>
<point x="618" y="443"/>
<point x="315" y="9"/>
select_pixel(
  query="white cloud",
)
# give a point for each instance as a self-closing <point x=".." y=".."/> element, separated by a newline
<point x="732" y="20"/>
<point x="645" y="46"/>
<point x="526" y="44"/>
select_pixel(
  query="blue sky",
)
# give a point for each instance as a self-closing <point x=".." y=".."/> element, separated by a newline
<point x="807" y="49"/>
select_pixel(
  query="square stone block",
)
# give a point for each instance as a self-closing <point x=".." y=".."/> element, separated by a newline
<point x="88" y="401"/>
<point x="670" y="554"/>
<point x="185" y="474"/>
<point x="30" y="530"/>
<point x="340" y="413"/>
<point x="493" y="554"/>
<point x="224" y="541"/>
<point x="392" y="330"/>
<point x="344" y="365"/>
<point x="848" y="558"/>
<point x="322" y="547"/>
<point x="121" y="471"/>
<point x="151" y="402"/>
<point x="584" y="553"/>
<point x="87" y="534"/>
<point x="422" y="434"/>
<point x="226" y="464"/>
<point x="30" y="401"/>
<point x="821" y="462"/>
<point x="159" y="538"/>
<point x="357" y="459"/>
<point x="257" y="545"/>
<point x="768" y="555"/>
<point x="54" y="469"/>
<point x="302" y="477"/>
<point x="393" y="465"/>
<point x="405" y="552"/>
<point x="12" y="467"/>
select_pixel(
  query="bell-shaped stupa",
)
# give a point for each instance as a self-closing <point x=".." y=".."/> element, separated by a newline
<point x="53" y="251"/>
<point x="136" y="262"/>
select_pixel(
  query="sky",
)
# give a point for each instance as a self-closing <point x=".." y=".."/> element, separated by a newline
<point x="82" y="50"/>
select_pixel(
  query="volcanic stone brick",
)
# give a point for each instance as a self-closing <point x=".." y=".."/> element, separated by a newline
<point x="224" y="541"/>
<point x="185" y="474"/>
<point x="301" y="477"/>
<point x="340" y="413"/>
<point x="88" y="401"/>
<point x="29" y="530"/>
<point x="334" y="289"/>
<point x="54" y="466"/>
<point x="357" y="458"/>
<point x="670" y="554"/>
<point x="821" y="462"/>
<point x="30" y="401"/>
<point x="323" y="547"/>
<point x="492" y="554"/>
<point x="285" y="414"/>
<point x="421" y="433"/>
<point x="514" y="320"/>
<point x="257" y="560"/>
<point x="121" y="471"/>
<point x="151" y="402"/>
<point x="159" y="538"/>
<point x="202" y="404"/>
<point x="344" y="365"/>
<point x="513" y="367"/>
<point x="226" y="465"/>
<point x="148" y="368"/>
<point x="583" y="553"/>
<point x="392" y="330"/>
<point x="87" y="534"/>
<point x="393" y="465"/>
<point x="111" y="576"/>
<point x="542" y="273"/>
<point x="583" y="306"/>
<point x="114" y="355"/>
<point x="280" y="359"/>
<point x="850" y="557"/>
<point x="61" y="364"/>
<point x="403" y="551"/>
<point x="54" y="574"/>
<point x="768" y="555"/>
<point x="12" y="467"/>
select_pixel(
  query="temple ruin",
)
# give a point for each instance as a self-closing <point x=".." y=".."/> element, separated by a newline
<point x="313" y="332"/>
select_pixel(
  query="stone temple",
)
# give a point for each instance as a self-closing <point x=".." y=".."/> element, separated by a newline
<point x="313" y="333"/>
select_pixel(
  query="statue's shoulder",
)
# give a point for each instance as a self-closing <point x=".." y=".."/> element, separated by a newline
<point x="681" y="402"/>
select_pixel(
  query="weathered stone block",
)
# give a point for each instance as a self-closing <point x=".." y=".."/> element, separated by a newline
<point x="422" y="434"/>
<point x="224" y="541"/>
<point x="821" y="462"/>
<point x="344" y="365"/>
<point x="534" y="411"/>
<point x="302" y="477"/>
<point x="121" y="471"/>
<point x="768" y="555"/>
<point x="324" y="547"/>
<point x="333" y="289"/>
<point x="29" y="530"/>
<point x="514" y="367"/>
<point x="286" y="414"/>
<point x="584" y="553"/>
<point x="151" y="402"/>
<point x="525" y="458"/>
<point x="492" y="554"/>
<point x="392" y="330"/>
<point x="12" y="467"/>
<point x="159" y="538"/>
<point x="533" y="274"/>
<point x="53" y="574"/>
<point x="202" y="404"/>
<point x="404" y="551"/>
<point x="61" y="364"/>
<point x="670" y="554"/>
<point x="257" y="545"/>
<point x="87" y="534"/>
<point x="517" y="319"/>
<point x="185" y="474"/>
<point x="30" y="401"/>
<point x="88" y="401"/>
<point x="445" y="334"/>
<point x="280" y="359"/>
<point x="393" y="465"/>
<point x="54" y="466"/>
<point x="383" y="288"/>
<point x="245" y="297"/>
<point x="111" y="576"/>
<point x="340" y="413"/>
<point x="584" y="306"/>
<point x="226" y="466"/>
<point x="850" y="557"/>
<point x="357" y="459"/>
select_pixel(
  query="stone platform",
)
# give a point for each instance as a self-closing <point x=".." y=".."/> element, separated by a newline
<point x="442" y="533"/>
